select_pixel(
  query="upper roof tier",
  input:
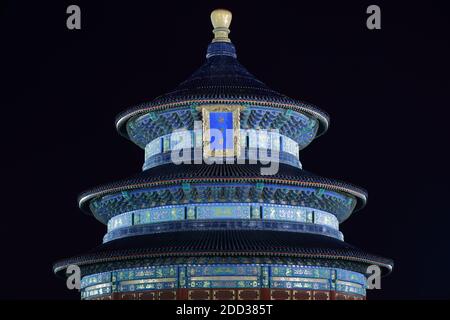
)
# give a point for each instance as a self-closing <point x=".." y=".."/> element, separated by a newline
<point x="221" y="80"/>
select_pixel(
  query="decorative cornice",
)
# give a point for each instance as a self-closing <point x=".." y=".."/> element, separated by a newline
<point x="301" y="107"/>
<point x="230" y="243"/>
<point x="107" y="189"/>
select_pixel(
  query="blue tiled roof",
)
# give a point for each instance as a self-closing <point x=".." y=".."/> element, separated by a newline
<point x="226" y="243"/>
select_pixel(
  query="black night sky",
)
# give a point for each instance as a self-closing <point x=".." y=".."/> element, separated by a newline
<point x="386" y="91"/>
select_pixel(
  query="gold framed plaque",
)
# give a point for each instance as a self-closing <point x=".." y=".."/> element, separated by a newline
<point x="221" y="130"/>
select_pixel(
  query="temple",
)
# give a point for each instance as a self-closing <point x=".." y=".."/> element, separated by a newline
<point x="223" y="208"/>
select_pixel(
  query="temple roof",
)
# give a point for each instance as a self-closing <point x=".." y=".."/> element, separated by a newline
<point x="226" y="243"/>
<point x="170" y="174"/>
<point x="222" y="79"/>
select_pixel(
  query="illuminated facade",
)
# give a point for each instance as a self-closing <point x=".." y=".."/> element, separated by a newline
<point x="216" y="226"/>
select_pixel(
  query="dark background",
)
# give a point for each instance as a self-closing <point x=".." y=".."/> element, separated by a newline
<point x="387" y="93"/>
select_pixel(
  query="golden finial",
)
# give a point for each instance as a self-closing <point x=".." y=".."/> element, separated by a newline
<point x="221" y="19"/>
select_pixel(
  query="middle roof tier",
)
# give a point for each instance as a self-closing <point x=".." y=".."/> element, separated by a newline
<point x="170" y="184"/>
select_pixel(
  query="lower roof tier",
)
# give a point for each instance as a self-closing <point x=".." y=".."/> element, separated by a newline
<point x="225" y="243"/>
<point x="200" y="183"/>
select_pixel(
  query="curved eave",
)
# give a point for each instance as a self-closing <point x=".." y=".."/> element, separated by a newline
<point x="226" y="243"/>
<point x="85" y="197"/>
<point x="60" y="266"/>
<point x="300" y="107"/>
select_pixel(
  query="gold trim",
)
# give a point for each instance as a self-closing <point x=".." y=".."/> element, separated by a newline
<point x="350" y="284"/>
<point x="279" y="290"/>
<point x="222" y="290"/>
<point x="128" y="294"/>
<point x="318" y="292"/>
<point x="258" y="294"/>
<point x="224" y="278"/>
<point x="97" y="286"/>
<point x="143" y="281"/>
<point x="294" y="293"/>
<point x="146" y="294"/>
<point x="161" y="292"/>
<point x="297" y="279"/>
<point x="190" y="292"/>
<point x="236" y="111"/>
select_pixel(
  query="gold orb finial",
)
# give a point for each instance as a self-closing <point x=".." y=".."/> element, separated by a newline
<point x="221" y="20"/>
